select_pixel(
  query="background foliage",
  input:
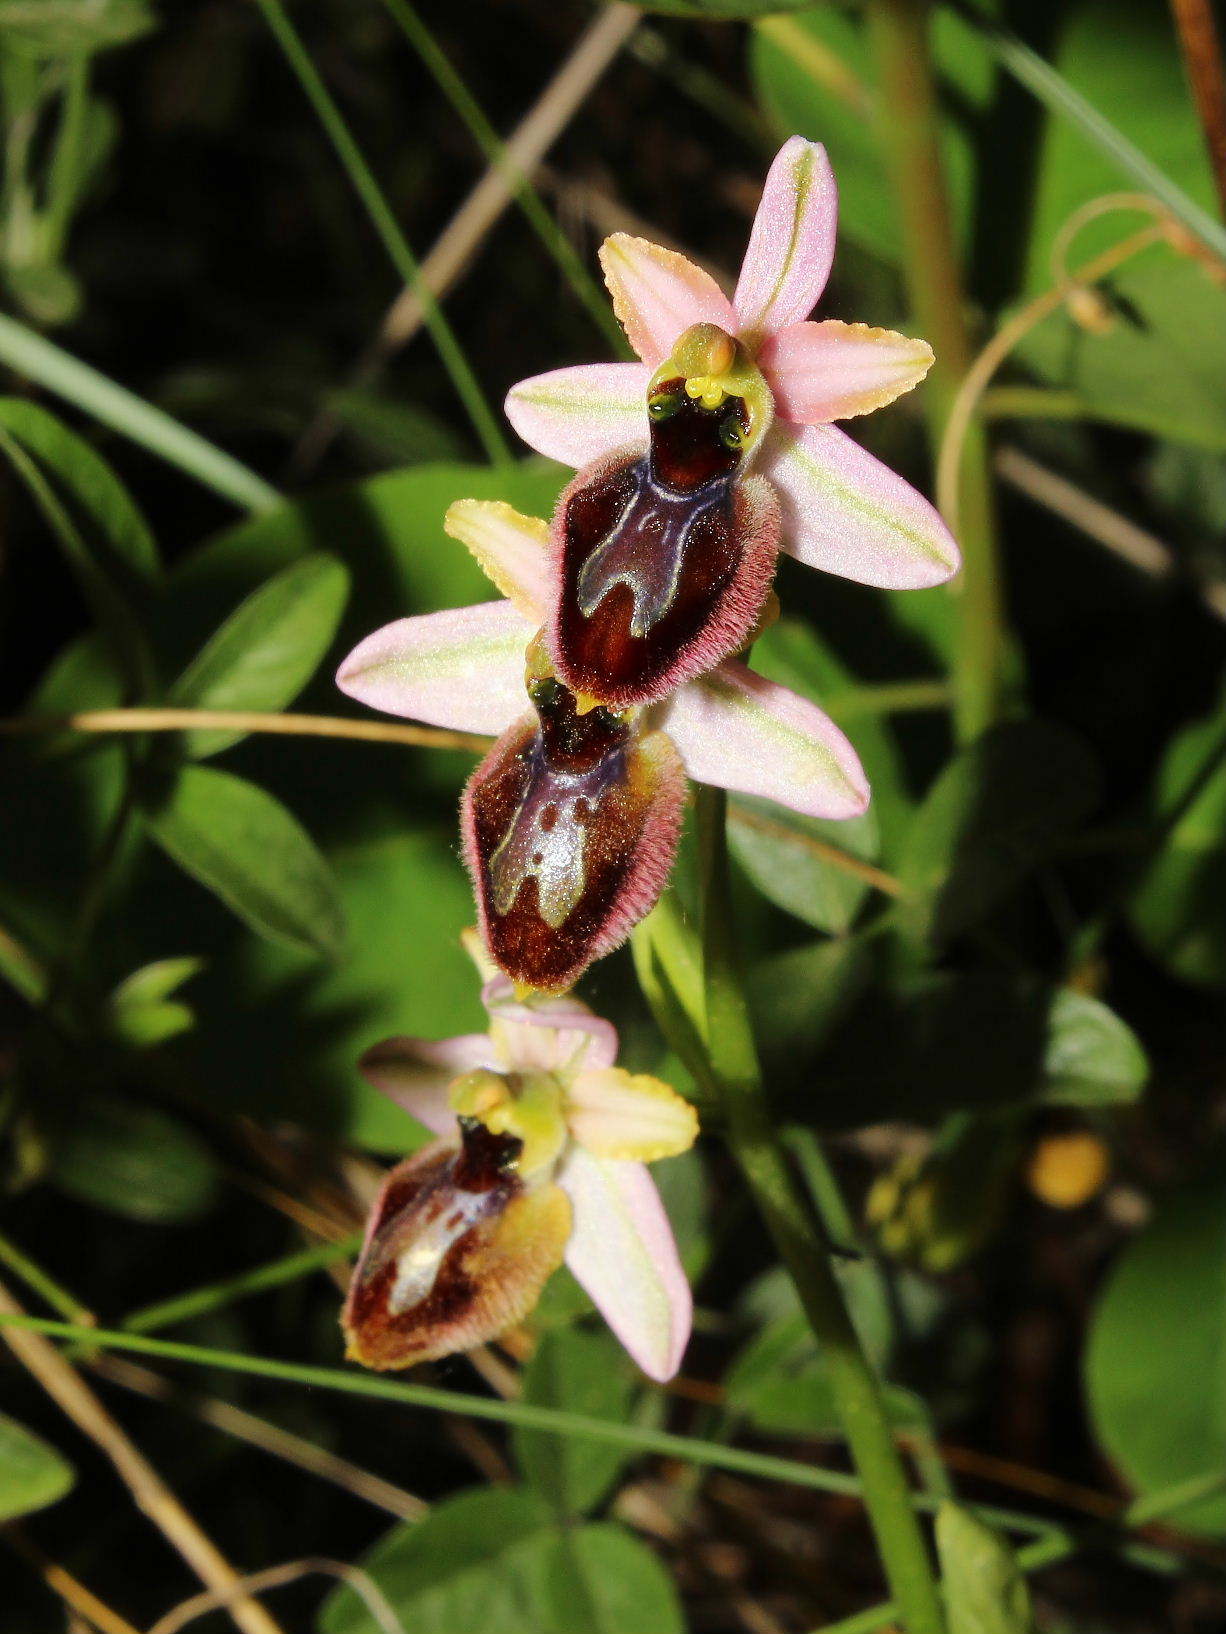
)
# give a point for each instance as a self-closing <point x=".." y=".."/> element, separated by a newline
<point x="997" y="997"/>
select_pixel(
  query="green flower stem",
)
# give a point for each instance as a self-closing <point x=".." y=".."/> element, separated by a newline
<point x="273" y="1275"/>
<point x="57" y="371"/>
<point x="755" y="1143"/>
<point x="910" y="132"/>
<point x="385" y="225"/>
<point x="586" y="289"/>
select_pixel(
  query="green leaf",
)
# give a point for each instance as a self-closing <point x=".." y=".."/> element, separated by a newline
<point x="1175" y="910"/>
<point x="786" y="857"/>
<point x="245" y="847"/>
<point x="995" y="811"/>
<point x="1092" y="1058"/>
<point x="584" y="1373"/>
<point x="406" y="899"/>
<point x="601" y="1580"/>
<point x="121" y="534"/>
<point x="966" y="1041"/>
<point x="32" y="1474"/>
<point x="985" y="1592"/>
<point x="65" y="28"/>
<point x="136" y="1161"/>
<point x="140" y="1012"/>
<point x="799" y="996"/>
<point x="475" y="1562"/>
<point x="1156" y="369"/>
<point x="1157" y="1351"/>
<point x="817" y="76"/>
<point x="267" y="650"/>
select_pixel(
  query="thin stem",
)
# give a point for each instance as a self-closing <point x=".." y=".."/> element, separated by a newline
<point x="529" y="1416"/>
<point x="113" y="405"/>
<point x="217" y="1294"/>
<point x="755" y="1143"/>
<point x="1202" y="56"/>
<point x="529" y="200"/>
<point x="910" y="130"/>
<point x="385" y="225"/>
<point x="36" y="1279"/>
<point x="243" y="720"/>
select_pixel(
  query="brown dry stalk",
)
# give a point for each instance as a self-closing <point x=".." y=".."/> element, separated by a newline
<point x="86" y="1605"/>
<point x="1202" y="55"/>
<point x="244" y="720"/>
<point x="275" y="1577"/>
<point x="73" y="1396"/>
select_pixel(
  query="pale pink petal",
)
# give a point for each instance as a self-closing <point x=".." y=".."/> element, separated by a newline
<point x="416" y="1073"/>
<point x="740" y="731"/>
<point x="657" y="294"/>
<point x="547" y="1034"/>
<point x="832" y="371"/>
<point x="513" y="550"/>
<point x="579" y="414"/>
<point x="846" y="512"/>
<point x="462" y="669"/>
<point x="791" y="246"/>
<point x="622" y="1252"/>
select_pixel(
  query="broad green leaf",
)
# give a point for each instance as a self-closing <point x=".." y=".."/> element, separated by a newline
<point x="966" y="1041"/>
<point x="787" y="858"/>
<point x="406" y="899"/>
<point x="1092" y="1058"/>
<point x="82" y="676"/>
<point x="600" y="1579"/>
<point x="985" y="1592"/>
<point x="476" y="1562"/>
<point x="135" y="1161"/>
<point x="581" y="1373"/>
<point x="1175" y="910"/>
<point x="1156" y="369"/>
<point x="243" y="845"/>
<point x="996" y="811"/>
<point x="1156" y="1358"/>
<point x="267" y="650"/>
<point x="32" y="1473"/>
<point x="51" y="29"/>
<point x="816" y="76"/>
<point x="387" y="530"/>
<point x="141" y="1013"/>
<point x="119" y="531"/>
<point x="798" y="997"/>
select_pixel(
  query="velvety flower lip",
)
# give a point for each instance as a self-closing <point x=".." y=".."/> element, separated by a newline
<point x="545" y="1075"/>
<point x="844" y="511"/>
<point x="464" y="669"/>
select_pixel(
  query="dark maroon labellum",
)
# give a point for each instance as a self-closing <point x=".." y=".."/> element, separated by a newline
<point x="666" y="559"/>
<point x="570" y="825"/>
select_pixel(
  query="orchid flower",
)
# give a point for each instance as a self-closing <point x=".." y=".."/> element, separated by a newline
<point x="571" y="821"/>
<point x="542" y="1159"/>
<point x="664" y="556"/>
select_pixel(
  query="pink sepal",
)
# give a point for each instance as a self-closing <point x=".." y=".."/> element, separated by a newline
<point x="791" y="246"/>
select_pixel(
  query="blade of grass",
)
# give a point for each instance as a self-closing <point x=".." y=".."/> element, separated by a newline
<point x="212" y="1297"/>
<point x="113" y="405"/>
<point x="384" y="222"/>
<point x="638" y="1438"/>
<point x="1051" y="88"/>
<point x="586" y="289"/>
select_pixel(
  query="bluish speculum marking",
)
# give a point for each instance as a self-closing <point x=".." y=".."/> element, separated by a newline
<point x="570" y="763"/>
<point x="688" y="472"/>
